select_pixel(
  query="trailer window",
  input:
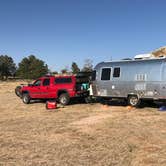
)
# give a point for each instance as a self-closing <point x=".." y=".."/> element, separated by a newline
<point x="106" y="74"/>
<point x="116" y="72"/>
<point x="94" y="75"/>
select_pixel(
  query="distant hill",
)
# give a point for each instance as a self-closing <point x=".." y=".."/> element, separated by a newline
<point x="160" y="52"/>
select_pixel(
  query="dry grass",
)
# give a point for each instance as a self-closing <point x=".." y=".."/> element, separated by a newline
<point x="79" y="134"/>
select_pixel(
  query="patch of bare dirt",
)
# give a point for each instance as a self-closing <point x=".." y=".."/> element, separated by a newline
<point x="92" y="120"/>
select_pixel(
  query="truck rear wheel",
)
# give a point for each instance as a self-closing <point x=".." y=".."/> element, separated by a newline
<point x="88" y="99"/>
<point x="64" y="99"/>
<point x="26" y="98"/>
<point x="133" y="100"/>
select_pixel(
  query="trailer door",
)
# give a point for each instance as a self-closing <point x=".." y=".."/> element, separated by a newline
<point x="116" y="83"/>
<point x="163" y="84"/>
<point x="105" y="82"/>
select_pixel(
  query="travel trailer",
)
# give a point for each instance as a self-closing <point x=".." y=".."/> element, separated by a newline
<point x="134" y="80"/>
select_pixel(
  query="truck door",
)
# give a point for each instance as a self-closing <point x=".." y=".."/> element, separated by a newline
<point x="46" y="89"/>
<point x="35" y="90"/>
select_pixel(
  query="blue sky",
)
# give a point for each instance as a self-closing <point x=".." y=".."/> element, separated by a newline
<point x="62" y="31"/>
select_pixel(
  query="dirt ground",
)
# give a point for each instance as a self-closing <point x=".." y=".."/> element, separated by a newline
<point x="79" y="134"/>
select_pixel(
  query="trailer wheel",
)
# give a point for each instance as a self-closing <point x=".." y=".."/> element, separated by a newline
<point x="64" y="99"/>
<point x="133" y="100"/>
<point x="26" y="98"/>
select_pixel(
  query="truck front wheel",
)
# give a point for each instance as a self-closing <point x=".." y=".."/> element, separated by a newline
<point x="133" y="100"/>
<point x="17" y="91"/>
<point x="64" y="99"/>
<point x="26" y="98"/>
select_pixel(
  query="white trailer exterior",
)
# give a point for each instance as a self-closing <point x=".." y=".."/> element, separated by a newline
<point x="133" y="80"/>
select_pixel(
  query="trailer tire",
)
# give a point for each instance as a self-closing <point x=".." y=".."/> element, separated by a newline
<point x="64" y="99"/>
<point x="26" y="98"/>
<point x="133" y="100"/>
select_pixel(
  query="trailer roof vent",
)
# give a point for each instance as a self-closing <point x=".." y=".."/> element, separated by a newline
<point x="144" y="56"/>
<point x="126" y="59"/>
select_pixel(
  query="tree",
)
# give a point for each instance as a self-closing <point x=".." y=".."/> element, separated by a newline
<point x="31" y="68"/>
<point x="74" y="67"/>
<point x="88" y="67"/>
<point x="7" y="67"/>
<point x="65" y="70"/>
<point x="54" y="72"/>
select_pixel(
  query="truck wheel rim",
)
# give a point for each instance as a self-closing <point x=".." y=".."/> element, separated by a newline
<point x="63" y="100"/>
<point x="25" y="99"/>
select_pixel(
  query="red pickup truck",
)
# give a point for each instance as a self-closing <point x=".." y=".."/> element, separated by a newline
<point x="61" y="88"/>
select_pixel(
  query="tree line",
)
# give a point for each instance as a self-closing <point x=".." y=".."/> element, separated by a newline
<point x="31" y="68"/>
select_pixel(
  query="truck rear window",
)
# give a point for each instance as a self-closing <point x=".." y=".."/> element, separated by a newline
<point x="63" y="80"/>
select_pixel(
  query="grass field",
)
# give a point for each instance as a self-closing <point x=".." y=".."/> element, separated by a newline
<point x="79" y="134"/>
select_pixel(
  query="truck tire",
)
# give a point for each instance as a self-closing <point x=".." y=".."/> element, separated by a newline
<point x="17" y="91"/>
<point x="26" y="98"/>
<point x="64" y="99"/>
<point x="133" y="100"/>
<point x="88" y="99"/>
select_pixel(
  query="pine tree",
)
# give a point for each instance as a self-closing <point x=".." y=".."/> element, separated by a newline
<point x="88" y="67"/>
<point x="7" y="67"/>
<point x="74" y="67"/>
<point x="31" y="68"/>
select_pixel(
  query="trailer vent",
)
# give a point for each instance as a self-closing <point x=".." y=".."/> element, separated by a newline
<point x="144" y="56"/>
<point x="140" y="77"/>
